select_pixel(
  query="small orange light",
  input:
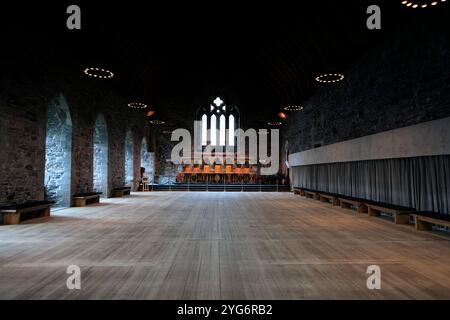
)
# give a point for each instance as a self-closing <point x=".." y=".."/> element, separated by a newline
<point x="150" y="113"/>
<point x="282" y="115"/>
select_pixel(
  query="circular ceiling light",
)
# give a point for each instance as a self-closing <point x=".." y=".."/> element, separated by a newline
<point x="98" y="73"/>
<point x="137" y="105"/>
<point x="274" y="123"/>
<point x="156" y="122"/>
<point x="421" y="3"/>
<point x="293" y="108"/>
<point x="330" y="77"/>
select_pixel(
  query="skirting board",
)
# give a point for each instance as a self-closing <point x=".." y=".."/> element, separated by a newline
<point x="424" y="139"/>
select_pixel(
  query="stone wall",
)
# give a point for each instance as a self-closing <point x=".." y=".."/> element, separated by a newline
<point x="22" y="139"/>
<point x="24" y="100"/>
<point x="402" y="82"/>
<point x="177" y="115"/>
<point x="165" y="172"/>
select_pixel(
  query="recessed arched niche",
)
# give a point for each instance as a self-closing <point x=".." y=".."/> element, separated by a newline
<point x="100" y="159"/>
<point x="58" y="152"/>
<point x="129" y="159"/>
<point x="147" y="160"/>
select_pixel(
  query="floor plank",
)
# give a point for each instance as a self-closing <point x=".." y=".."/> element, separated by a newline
<point x="189" y="245"/>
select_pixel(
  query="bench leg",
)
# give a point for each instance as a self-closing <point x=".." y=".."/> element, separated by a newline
<point x="373" y="213"/>
<point x="80" y="202"/>
<point x="336" y="201"/>
<point x="401" y="218"/>
<point x="11" y="218"/>
<point x="422" y="225"/>
<point x="302" y="193"/>
<point x="46" y="212"/>
<point x="362" y="208"/>
<point x="344" y="205"/>
<point x="316" y="196"/>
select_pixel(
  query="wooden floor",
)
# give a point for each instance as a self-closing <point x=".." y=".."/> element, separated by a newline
<point x="184" y="245"/>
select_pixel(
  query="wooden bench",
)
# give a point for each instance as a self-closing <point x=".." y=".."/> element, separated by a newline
<point x="299" y="191"/>
<point x="401" y="214"/>
<point x="311" y="194"/>
<point x="82" y="199"/>
<point x="15" y="213"/>
<point x="425" y="220"/>
<point x="331" y="198"/>
<point x="120" y="192"/>
<point x="347" y="203"/>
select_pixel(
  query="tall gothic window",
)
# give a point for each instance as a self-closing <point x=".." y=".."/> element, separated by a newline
<point x="204" y="130"/>
<point x="223" y="121"/>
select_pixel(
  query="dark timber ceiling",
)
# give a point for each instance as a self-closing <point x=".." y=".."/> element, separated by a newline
<point x="264" y="56"/>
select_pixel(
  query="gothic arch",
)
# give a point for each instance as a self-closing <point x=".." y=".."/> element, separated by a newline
<point x="147" y="160"/>
<point x="129" y="159"/>
<point x="58" y="152"/>
<point x="221" y="120"/>
<point x="100" y="159"/>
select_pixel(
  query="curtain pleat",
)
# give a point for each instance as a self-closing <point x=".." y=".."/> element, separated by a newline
<point x="422" y="183"/>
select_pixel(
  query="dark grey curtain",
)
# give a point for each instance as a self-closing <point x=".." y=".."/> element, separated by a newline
<point x="422" y="183"/>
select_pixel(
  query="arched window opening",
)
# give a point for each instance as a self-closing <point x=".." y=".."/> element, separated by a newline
<point x="147" y="160"/>
<point x="216" y="119"/>
<point x="58" y="153"/>
<point x="129" y="159"/>
<point x="100" y="165"/>
<point x="204" y="130"/>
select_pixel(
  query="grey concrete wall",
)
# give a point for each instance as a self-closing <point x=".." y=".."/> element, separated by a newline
<point x="425" y="139"/>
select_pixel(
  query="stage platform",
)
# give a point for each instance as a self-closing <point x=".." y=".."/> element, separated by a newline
<point x="218" y="187"/>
